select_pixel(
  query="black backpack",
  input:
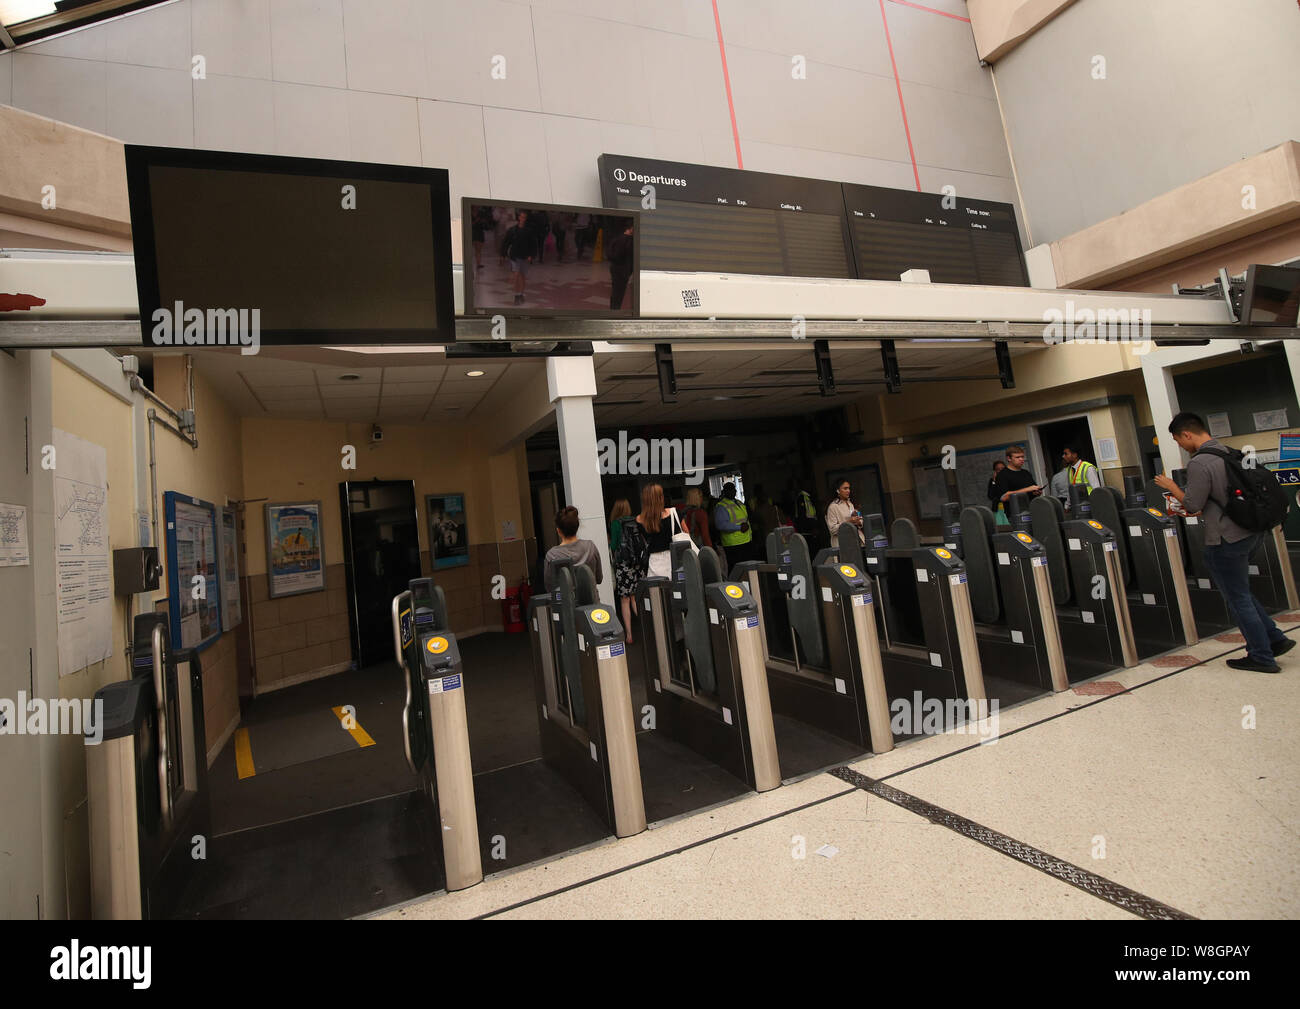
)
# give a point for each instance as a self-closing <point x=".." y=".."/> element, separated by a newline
<point x="1256" y="501"/>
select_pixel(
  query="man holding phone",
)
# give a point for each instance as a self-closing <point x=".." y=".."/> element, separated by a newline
<point x="1015" y="479"/>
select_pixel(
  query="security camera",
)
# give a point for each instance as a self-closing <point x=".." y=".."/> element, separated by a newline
<point x="376" y="433"/>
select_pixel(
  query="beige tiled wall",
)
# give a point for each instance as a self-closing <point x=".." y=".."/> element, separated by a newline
<point x="295" y="637"/>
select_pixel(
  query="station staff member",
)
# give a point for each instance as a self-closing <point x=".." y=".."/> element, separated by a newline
<point x="732" y="519"/>
<point x="1079" y="470"/>
<point x="841" y="510"/>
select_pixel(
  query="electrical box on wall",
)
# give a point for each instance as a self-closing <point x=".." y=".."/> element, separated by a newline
<point x="136" y="569"/>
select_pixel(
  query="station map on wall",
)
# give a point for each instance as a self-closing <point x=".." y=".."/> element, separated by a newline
<point x="84" y="584"/>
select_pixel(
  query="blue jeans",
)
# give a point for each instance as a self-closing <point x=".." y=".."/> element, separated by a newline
<point x="1229" y="565"/>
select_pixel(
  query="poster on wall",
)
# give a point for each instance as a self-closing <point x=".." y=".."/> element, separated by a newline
<point x="231" y="611"/>
<point x="83" y="573"/>
<point x="194" y="588"/>
<point x="295" y="554"/>
<point x="13" y="536"/>
<point x="448" y="530"/>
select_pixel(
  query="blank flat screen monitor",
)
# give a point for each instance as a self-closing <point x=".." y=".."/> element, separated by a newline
<point x="1272" y="296"/>
<point x="550" y="261"/>
<point x="328" y="252"/>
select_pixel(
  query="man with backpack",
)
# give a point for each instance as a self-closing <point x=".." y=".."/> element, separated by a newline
<point x="1237" y="505"/>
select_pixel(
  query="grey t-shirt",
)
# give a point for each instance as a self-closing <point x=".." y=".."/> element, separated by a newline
<point x="1207" y="485"/>
<point x="580" y="552"/>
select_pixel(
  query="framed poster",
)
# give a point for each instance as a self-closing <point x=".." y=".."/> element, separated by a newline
<point x="930" y="482"/>
<point x="448" y="530"/>
<point x="295" y="552"/>
<point x="194" y="588"/>
<point x="231" y="609"/>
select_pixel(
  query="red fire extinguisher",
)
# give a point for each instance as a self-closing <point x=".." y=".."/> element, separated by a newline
<point x="512" y="611"/>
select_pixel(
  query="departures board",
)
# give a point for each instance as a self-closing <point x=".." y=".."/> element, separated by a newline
<point x="723" y="220"/>
<point x="726" y="220"/>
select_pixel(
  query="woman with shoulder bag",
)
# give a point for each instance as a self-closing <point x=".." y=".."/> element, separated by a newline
<point x="656" y="523"/>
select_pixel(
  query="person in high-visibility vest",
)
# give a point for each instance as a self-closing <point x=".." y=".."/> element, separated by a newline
<point x="732" y="519"/>
<point x="1080" y="471"/>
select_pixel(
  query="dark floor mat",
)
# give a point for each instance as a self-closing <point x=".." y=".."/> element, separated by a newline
<point x="535" y="812"/>
<point x="1009" y="692"/>
<point x="677" y="780"/>
<point x="297" y="739"/>
<point x="803" y="748"/>
<point x="338" y="864"/>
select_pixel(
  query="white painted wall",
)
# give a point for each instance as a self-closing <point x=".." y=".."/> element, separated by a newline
<point x="1191" y="86"/>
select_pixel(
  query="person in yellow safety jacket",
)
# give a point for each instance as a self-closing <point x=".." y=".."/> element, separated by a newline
<point x="732" y="519"/>
<point x="1080" y="471"/>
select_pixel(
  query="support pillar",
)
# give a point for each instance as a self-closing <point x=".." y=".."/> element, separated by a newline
<point x="571" y="385"/>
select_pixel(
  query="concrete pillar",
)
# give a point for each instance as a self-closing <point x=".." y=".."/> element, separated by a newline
<point x="571" y="385"/>
<point x="1164" y="404"/>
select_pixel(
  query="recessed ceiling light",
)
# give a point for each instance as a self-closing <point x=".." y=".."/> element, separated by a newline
<point x="473" y="374"/>
<point x="450" y="408"/>
<point x="350" y="377"/>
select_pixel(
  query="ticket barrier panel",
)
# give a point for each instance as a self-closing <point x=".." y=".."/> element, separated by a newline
<point x="584" y="699"/>
<point x="1159" y="602"/>
<point x="846" y="691"/>
<point x="709" y="690"/>
<point x="147" y="779"/>
<point x="435" y="726"/>
<point x="1011" y="598"/>
<point x="1099" y="623"/>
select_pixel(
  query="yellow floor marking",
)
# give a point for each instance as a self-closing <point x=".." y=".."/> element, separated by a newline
<point x="243" y="755"/>
<point x="358" y="733"/>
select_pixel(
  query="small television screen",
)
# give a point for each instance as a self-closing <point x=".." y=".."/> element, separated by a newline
<point x="546" y="260"/>
<point x="297" y="250"/>
<point x="1272" y="296"/>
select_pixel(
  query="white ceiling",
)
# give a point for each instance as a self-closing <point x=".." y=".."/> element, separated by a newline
<point x="421" y="386"/>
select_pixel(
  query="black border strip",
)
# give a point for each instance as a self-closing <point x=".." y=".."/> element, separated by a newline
<point x="1089" y="882"/>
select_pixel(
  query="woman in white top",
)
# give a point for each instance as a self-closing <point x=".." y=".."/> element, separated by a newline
<point x="656" y="521"/>
<point x="842" y="510"/>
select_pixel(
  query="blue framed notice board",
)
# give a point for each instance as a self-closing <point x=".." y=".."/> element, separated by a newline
<point x="192" y="552"/>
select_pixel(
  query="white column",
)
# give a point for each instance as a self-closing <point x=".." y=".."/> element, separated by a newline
<point x="1293" y="365"/>
<point x="1164" y="404"/>
<point x="571" y="384"/>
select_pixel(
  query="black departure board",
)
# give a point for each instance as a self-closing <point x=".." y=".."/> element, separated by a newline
<point x="968" y="242"/>
<point x="724" y="220"/>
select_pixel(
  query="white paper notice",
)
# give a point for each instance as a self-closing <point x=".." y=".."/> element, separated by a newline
<point x="13" y="536"/>
<point x="81" y="554"/>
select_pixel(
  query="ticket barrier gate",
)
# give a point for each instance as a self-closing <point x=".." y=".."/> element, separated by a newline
<point x="435" y="733"/>
<point x="1151" y="562"/>
<point x="1087" y="584"/>
<point x="821" y="641"/>
<point x="147" y="779"/>
<point x="1272" y="580"/>
<point x="1011" y="601"/>
<point x="709" y="688"/>
<point x="584" y="699"/>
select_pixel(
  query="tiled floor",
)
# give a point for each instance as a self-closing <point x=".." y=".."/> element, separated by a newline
<point x="1180" y="786"/>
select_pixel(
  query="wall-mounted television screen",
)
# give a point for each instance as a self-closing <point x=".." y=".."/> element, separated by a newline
<point x="1272" y="296"/>
<point x="306" y="251"/>
<point x="550" y="261"/>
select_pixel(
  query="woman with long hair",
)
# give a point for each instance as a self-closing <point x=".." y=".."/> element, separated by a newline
<point x="655" y="523"/>
<point x="627" y="575"/>
<point x="696" y="519"/>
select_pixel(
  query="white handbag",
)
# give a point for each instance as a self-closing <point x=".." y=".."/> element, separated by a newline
<point x="682" y="536"/>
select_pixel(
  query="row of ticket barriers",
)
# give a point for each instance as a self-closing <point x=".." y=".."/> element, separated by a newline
<point x="835" y="641"/>
<point x="840" y="643"/>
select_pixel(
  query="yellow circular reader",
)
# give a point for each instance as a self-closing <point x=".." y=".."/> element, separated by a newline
<point x="1094" y="524"/>
<point x="848" y="571"/>
<point x="600" y="616"/>
<point x="437" y="645"/>
<point x="1024" y="537"/>
<point x="942" y="553"/>
<point x="1156" y="512"/>
<point x="734" y="591"/>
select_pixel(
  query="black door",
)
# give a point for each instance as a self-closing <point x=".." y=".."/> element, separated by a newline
<point x="381" y="548"/>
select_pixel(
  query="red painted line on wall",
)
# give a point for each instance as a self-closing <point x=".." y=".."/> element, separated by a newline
<point x="726" y="79"/>
<point x="899" y="85"/>
<point x="920" y="7"/>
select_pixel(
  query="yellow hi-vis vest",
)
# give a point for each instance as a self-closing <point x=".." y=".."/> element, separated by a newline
<point x="737" y="513"/>
<point x="1079" y="474"/>
<point x="806" y="503"/>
